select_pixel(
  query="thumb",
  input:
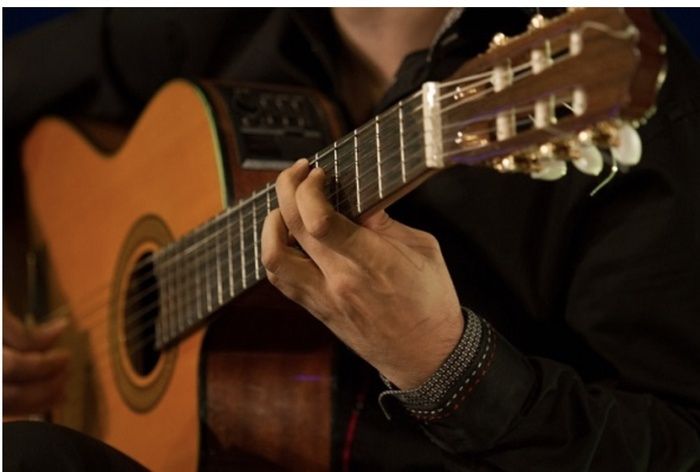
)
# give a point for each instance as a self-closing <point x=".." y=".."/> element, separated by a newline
<point x="23" y="338"/>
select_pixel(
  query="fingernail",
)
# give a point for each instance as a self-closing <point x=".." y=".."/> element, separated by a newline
<point x="301" y="161"/>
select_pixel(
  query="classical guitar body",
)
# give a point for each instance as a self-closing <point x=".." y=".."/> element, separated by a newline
<point x="258" y="404"/>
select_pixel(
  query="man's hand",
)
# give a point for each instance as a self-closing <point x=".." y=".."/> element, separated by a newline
<point x="33" y="371"/>
<point x="381" y="287"/>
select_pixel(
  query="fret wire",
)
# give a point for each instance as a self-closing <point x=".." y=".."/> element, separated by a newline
<point x="171" y="319"/>
<point x="401" y="144"/>
<point x="220" y="291"/>
<point x="178" y="295"/>
<point x="229" y="245"/>
<point x="207" y="276"/>
<point x="198" y="298"/>
<point x="255" y="238"/>
<point x="171" y="303"/>
<point x="244" y="278"/>
<point x="335" y="175"/>
<point x="180" y="276"/>
<point x="367" y="160"/>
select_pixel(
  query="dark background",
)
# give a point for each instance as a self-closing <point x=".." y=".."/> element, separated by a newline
<point x="16" y="20"/>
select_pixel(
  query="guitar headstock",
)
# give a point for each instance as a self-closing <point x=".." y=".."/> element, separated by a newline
<point x="560" y="92"/>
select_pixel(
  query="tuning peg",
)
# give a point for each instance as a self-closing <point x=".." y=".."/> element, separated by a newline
<point x="537" y="21"/>
<point x="499" y="39"/>
<point x="626" y="147"/>
<point x="549" y="163"/>
<point x="550" y="170"/>
<point x="587" y="159"/>
<point x="585" y="156"/>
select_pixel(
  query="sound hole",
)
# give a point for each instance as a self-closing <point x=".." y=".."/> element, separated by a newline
<point x="141" y="312"/>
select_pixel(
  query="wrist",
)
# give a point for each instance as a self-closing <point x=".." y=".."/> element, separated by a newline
<point x="426" y="355"/>
<point x="432" y="392"/>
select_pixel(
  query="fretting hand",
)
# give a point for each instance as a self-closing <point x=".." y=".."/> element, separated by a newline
<point x="33" y="369"/>
<point x="383" y="288"/>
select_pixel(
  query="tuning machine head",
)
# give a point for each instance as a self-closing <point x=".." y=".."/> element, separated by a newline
<point x="623" y="141"/>
<point x="585" y="156"/>
<point x="550" y="161"/>
<point x="536" y="22"/>
<point x="499" y="39"/>
<point x="626" y="148"/>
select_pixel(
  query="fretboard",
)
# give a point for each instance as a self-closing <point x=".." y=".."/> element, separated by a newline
<point x="220" y="259"/>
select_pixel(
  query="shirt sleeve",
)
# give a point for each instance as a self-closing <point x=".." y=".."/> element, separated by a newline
<point x="633" y="300"/>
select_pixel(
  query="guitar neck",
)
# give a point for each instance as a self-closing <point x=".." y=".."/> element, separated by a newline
<point x="219" y="260"/>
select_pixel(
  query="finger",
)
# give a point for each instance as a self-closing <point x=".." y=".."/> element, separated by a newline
<point x="33" y="398"/>
<point x="285" y="264"/>
<point x="26" y="366"/>
<point x="286" y="187"/>
<point x="326" y="225"/>
<point x="39" y="337"/>
<point x="381" y="223"/>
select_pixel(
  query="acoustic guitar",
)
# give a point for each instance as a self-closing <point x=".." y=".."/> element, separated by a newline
<point x="150" y="243"/>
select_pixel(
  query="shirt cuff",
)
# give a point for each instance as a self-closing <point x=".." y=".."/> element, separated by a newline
<point x="435" y="394"/>
<point x="476" y="396"/>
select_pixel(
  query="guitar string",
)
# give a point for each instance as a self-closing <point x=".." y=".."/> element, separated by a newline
<point x="371" y="124"/>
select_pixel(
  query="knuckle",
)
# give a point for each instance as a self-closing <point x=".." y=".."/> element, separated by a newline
<point x="272" y="277"/>
<point x="343" y="286"/>
<point x="282" y="179"/>
<point x="271" y="258"/>
<point x="429" y="241"/>
<point x="319" y="226"/>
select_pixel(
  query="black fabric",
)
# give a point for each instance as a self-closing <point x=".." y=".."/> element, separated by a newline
<point x="29" y="446"/>
<point x="597" y="297"/>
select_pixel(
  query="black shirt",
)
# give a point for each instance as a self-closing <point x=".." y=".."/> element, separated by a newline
<point x="594" y="301"/>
